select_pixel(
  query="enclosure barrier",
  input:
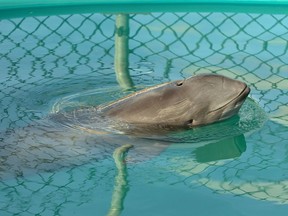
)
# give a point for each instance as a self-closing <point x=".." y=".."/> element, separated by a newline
<point x="249" y="47"/>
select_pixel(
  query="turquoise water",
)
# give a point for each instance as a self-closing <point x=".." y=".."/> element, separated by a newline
<point x="237" y="167"/>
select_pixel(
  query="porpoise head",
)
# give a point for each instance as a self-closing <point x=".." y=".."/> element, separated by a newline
<point x="194" y="101"/>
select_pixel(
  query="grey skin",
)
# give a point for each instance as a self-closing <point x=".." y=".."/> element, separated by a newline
<point x="191" y="102"/>
<point x="61" y="140"/>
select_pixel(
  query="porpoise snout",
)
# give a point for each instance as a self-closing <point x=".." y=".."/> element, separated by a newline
<point x="235" y="104"/>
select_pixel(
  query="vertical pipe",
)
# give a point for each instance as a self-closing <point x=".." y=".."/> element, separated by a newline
<point x="121" y="186"/>
<point x="121" y="59"/>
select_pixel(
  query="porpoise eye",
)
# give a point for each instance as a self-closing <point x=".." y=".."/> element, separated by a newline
<point x="180" y="83"/>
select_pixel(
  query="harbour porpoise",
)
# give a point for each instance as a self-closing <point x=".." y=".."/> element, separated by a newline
<point x="48" y="145"/>
<point x="195" y="101"/>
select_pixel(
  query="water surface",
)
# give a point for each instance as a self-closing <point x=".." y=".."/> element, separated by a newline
<point x="237" y="167"/>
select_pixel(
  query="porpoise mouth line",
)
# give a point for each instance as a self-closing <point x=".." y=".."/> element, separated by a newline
<point x="236" y="98"/>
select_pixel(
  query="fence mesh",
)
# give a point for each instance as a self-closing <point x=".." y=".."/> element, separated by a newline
<point x="51" y="52"/>
<point x="250" y="47"/>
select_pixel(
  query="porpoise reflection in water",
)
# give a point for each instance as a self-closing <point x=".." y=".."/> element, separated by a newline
<point x="48" y="145"/>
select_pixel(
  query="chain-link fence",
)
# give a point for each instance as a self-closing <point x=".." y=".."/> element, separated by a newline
<point x="54" y="52"/>
<point x="250" y="47"/>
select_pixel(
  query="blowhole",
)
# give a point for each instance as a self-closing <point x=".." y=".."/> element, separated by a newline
<point x="180" y="83"/>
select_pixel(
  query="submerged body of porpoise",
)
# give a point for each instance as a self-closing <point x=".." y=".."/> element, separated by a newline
<point x="47" y="146"/>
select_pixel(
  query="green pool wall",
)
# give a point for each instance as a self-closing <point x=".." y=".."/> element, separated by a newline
<point x="23" y="8"/>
